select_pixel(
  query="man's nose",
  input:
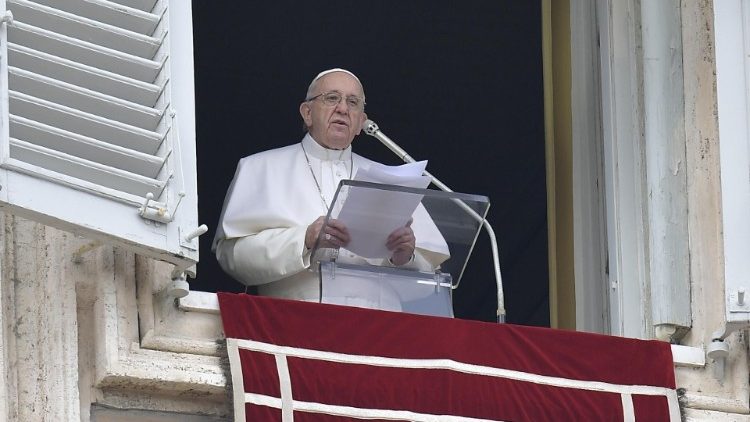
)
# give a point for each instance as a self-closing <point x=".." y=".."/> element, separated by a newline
<point x="342" y="107"/>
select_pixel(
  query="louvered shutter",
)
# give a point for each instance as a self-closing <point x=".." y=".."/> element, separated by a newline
<point x="97" y="114"/>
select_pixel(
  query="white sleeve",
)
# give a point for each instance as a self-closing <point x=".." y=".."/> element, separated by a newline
<point x="419" y="262"/>
<point x="267" y="256"/>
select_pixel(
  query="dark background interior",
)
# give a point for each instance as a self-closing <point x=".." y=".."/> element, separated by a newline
<point x="460" y="86"/>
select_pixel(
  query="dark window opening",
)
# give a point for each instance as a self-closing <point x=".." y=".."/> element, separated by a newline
<point x="460" y="86"/>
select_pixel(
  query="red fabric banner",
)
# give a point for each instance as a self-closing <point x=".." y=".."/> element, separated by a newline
<point x="314" y="362"/>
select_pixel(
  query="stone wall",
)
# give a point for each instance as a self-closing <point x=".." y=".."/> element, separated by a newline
<point x="72" y="335"/>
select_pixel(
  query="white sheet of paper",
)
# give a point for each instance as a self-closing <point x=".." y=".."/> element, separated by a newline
<point x="371" y="215"/>
<point x="409" y="175"/>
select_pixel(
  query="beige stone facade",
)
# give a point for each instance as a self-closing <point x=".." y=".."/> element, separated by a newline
<point x="88" y="332"/>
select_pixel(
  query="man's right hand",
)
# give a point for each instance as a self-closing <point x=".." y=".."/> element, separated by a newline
<point x="335" y="235"/>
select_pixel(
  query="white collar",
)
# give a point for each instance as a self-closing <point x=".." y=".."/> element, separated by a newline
<point x="320" y="152"/>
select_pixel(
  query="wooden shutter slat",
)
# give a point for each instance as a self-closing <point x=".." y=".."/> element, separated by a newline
<point x="122" y="16"/>
<point x="82" y="99"/>
<point x="79" y="168"/>
<point x="84" y="147"/>
<point x="86" y="124"/>
<point x="85" y="29"/>
<point x="145" y="5"/>
<point x="143" y="93"/>
<point x="84" y="52"/>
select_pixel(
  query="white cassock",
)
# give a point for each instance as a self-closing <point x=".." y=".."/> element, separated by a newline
<point x="273" y="198"/>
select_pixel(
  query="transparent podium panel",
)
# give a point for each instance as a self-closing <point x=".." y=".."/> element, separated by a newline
<point x="444" y="224"/>
<point x="387" y="289"/>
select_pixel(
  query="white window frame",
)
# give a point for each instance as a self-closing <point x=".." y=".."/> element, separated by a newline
<point x="732" y="35"/>
<point x="589" y="219"/>
<point x="624" y="169"/>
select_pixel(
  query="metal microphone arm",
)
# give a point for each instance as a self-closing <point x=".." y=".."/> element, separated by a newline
<point x="372" y="129"/>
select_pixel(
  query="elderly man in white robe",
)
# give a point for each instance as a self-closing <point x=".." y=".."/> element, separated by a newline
<point x="276" y="205"/>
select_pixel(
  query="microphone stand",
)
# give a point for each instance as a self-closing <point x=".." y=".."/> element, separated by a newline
<point x="372" y="129"/>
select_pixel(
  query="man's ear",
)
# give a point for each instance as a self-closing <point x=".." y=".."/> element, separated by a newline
<point x="305" y="111"/>
<point x="362" y="123"/>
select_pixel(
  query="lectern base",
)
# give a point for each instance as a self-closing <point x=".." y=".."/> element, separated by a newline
<point x="388" y="289"/>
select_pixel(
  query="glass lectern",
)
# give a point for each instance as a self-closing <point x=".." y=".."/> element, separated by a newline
<point x="445" y="224"/>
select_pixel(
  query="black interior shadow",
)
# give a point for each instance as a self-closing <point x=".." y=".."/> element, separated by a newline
<point x="460" y="86"/>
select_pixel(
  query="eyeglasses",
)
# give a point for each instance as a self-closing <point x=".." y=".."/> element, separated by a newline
<point x="333" y="98"/>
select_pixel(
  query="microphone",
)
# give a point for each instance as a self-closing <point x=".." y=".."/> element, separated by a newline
<point x="371" y="128"/>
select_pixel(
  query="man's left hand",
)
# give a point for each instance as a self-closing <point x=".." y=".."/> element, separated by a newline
<point x="402" y="243"/>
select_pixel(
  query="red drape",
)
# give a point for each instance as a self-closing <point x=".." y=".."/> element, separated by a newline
<point x="316" y="362"/>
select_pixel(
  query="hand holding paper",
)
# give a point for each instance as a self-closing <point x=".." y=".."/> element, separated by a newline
<point x="335" y="234"/>
<point x="372" y="216"/>
<point x="402" y="243"/>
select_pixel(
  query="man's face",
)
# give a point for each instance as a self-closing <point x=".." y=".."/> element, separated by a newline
<point x="334" y="126"/>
